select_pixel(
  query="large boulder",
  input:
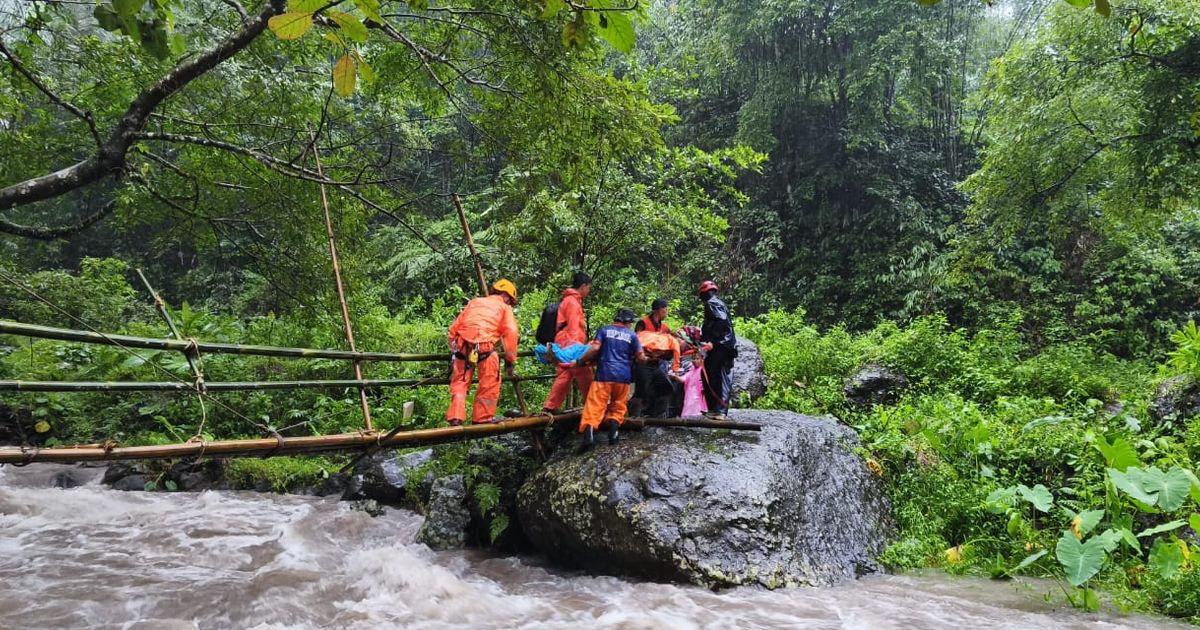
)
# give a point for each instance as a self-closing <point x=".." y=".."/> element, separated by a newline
<point x="1176" y="400"/>
<point x="448" y="516"/>
<point x="873" y="385"/>
<point x="749" y="374"/>
<point x="792" y="505"/>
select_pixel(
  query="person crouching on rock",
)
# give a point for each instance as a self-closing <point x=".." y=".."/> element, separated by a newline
<point x="473" y="338"/>
<point x="617" y="347"/>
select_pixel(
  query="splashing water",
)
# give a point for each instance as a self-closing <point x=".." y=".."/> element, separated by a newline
<point x="94" y="557"/>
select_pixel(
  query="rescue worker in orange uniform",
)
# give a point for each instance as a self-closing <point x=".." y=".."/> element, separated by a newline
<point x="652" y="383"/>
<point x="617" y="347"/>
<point x="572" y="329"/>
<point x="484" y="323"/>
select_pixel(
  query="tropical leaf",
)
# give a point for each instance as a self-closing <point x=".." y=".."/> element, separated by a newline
<point x="1038" y="495"/>
<point x="351" y="26"/>
<point x="1129" y="482"/>
<point x="1030" y="559"/>
<point x="1165" y="527"/>
<point x="1165" y="559"/>
<point x="1119" y="455"/>
<point x="290" y="25"/>
<point x="1085" y="522"/>
<point x="1080" y="560"/>
<point x="343" y="76"/>
<point x="618" y="31"/>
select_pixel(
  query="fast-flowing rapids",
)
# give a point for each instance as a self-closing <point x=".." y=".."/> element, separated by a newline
<point x="93" y="557"/>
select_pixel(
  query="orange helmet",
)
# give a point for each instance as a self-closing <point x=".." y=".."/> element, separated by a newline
<point x="504" y="285"/>
<point x="708" y="285"/>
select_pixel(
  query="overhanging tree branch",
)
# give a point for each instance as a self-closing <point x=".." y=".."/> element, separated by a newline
<point x="279" y="165"/>
<point x="56" y="99"/>
<point x="49" y="234"/>
<point x="112" y="154"/>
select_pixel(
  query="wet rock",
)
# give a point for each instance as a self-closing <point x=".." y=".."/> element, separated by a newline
<point x="194" y="476"/>
<point x="194" y="482"/>
<point x="1177" y="399"/>
<point x="749" y="374"/>
<point x="68" y="479"/>
<point x="448" y="517"/>
<point x="116" y="472"/>
<point x="131" y="483"/>
<point x="334" y="484"/>
<point x="384" y="477"/>
<point x="370" y="506"/>
<point x="792" y="505"/>
<point x="874" y="385"/>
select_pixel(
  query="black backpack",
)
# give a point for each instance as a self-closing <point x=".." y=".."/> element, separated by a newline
<point x="547" y="326"/>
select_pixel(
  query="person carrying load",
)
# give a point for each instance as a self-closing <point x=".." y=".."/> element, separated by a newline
<point x="473" y="338"/>
<point x="616" y="346"/>
<point x="652" y="386"/>
<point x="571" y="329"/>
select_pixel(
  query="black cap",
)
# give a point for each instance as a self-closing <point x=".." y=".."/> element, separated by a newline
<point x="625" y="315"/>
<point x="657" y="304"/>
<point x="579" y="279"/>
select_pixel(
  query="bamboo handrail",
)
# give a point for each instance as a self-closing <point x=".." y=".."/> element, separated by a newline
<point x="170" y="386"/>
<point x="66" y="334"/>
<point x="308" y="445"/>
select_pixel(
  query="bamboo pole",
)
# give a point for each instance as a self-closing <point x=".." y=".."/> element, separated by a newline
<point x="341" y="293"/>
<point x="693" y="423"/>
<point x="313" y="444"/>
<point x="161" y="307"/>
<point x="149" y="343"/>
<point x="169" y="386"/>
<point x="271" y="447"/>
<point x="462" y="219"/>
<point x="483" y="287"/>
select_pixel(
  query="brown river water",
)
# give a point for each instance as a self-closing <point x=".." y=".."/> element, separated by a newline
<point x="90" y="557"/>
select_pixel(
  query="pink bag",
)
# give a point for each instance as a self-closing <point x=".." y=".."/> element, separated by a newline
<point x="693" y="393"/>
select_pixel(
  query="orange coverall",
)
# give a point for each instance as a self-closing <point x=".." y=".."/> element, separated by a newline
<point x="479" y="326"/>
<point x="572" y="328"/>
<point x="659" y="343"/>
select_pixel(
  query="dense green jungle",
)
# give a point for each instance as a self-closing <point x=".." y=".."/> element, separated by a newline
<point x="998" y="199"/>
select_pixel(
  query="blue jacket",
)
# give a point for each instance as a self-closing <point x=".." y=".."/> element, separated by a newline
<point x="718" y="327"/>
<point x="618" y="347"/>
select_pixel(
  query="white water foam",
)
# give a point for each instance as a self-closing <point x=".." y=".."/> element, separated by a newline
<point x="90" y="557"/>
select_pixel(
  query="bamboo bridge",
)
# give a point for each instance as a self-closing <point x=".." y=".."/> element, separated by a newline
<point x="273" y="443"/>
<point x="276" y="445"/>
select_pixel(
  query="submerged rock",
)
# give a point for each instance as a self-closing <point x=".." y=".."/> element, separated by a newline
<point x="68" y="479"/>
<point x="131" y="483"/>
<point x="873" y="385"/>
<point x="749" y="374"/>
<point x="792" y="505"/>
<point x="446" y="521"/>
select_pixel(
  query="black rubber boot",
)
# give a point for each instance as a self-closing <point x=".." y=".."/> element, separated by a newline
<point x="614" y="431"/>
<point x="587" y="440"/>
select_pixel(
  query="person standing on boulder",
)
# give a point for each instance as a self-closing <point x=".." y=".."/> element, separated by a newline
<point x="653" y="387"/>
<point x="473" y="337"/>
<point x="717" y="332"/>
<point x="571" y="329"/>
<point x="617" y="347"/>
